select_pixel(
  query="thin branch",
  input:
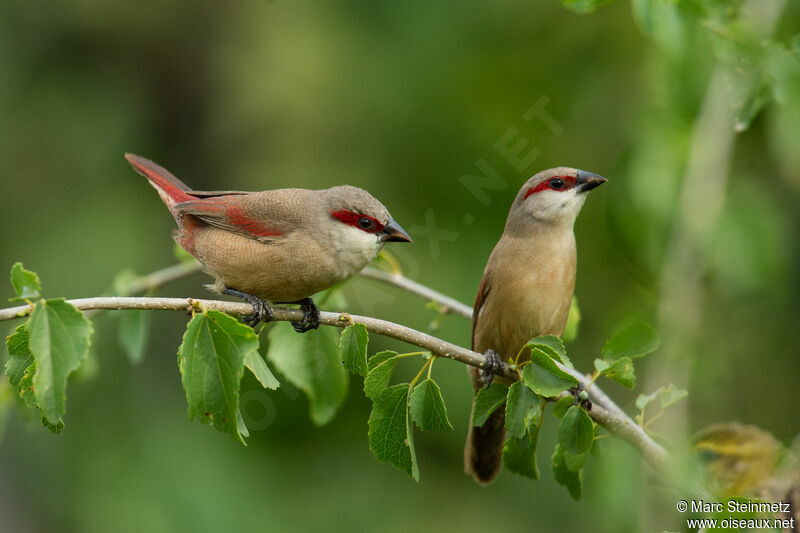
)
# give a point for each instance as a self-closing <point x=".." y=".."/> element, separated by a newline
<point x="161" y="277"/>
<point x="611" y="418"/>
<point x="153" y="280"/>
<point x="623" y="427"/>
<point x="446" y="303"/>
<point x="389" y="329"/>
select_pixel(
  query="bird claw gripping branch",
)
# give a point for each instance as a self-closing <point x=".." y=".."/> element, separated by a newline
<point x="310" y="316"/>
<point x="261" y="309"/>
<point x="494" y="365"/>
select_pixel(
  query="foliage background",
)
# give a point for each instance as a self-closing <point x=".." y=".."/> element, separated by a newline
<point x="402" y="99"/>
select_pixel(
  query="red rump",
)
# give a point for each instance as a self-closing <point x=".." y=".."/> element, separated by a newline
<point x="569" y="182"/>
<point x="351" y="219"/>
<point x="189" y="225"/>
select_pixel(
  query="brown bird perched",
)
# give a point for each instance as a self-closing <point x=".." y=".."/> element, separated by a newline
<point x="525" y="292"/>
<point x="280" y="246"/>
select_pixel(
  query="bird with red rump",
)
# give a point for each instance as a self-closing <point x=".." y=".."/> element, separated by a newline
<point x="279" y="246"/>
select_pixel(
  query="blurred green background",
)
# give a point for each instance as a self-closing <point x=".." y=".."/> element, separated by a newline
<point x="403" y="99"/>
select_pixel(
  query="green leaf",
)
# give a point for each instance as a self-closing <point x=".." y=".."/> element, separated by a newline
<point x="523" y="408"/>
<point x="565" y="477"/>
<point x="255" y="363"/>
<point x="668" y="396"/>
<point x="134" y="329"/>
<point x="551" y="346"/>
<point x="21" y="367"/>
<point x="487" y="401"/>
<point x="410" y="441"/>
<point x="56" y="428"/>
<point x="211" y="362"/>
<point x="390" y="436"/>
<point x="663" y="21"/>
<point x="636" y="340"/>
<point x="59" y="341"/>
<point x="26" y="283"/>
<point x="353" y="348"/>
<point x="575" y="436"/>
<point x="573" y="321"/>
<point x="379" y="358"/>
<point x="584" y="6"/>
<point x="671" y="395"/>
<point x="240" y="425"/>
<point x="620" y="370"/>
<point x="25" y="388"/>
<point x="311" y="363"/>
<point x="427" y="408"/>
<point x="544" y="377"/>
<point x="643" y="400"/>
<point x="20" y="357"/>
<point x="519" y="455"/>
<point x="381" y="366"/>
<point x="562" y="405"/>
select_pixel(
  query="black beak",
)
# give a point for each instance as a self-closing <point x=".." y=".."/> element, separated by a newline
<point x="586" y="181"/>
<point x="394" y="232"/>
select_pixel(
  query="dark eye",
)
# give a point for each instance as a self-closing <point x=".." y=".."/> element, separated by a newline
<point x="556" y="183"/>
<point x="365" y="223"/>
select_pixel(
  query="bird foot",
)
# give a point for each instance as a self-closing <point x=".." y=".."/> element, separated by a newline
<point x="494" y="365"/>
<point x="310" y="316"/>
<point x="261" y="309"/>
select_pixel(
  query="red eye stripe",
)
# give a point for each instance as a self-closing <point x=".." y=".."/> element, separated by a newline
<point x="569" y="182"/>
<point x="351" y="219"/>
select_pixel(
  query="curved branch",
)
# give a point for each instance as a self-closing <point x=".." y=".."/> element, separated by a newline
<point x="612" y="418"/>
<point x="446" y="303"/>
<point x="383" y="327"/>
<point x="161" y="277"/>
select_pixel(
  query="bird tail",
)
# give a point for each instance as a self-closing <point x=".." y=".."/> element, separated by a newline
<point x="483" y="451"/>
<point x="171" y="189"/>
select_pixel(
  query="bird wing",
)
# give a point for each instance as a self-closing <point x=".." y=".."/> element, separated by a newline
<point x="230" y="213"/>
<point x="480" y="299"/>
<point x="209" y="194"/>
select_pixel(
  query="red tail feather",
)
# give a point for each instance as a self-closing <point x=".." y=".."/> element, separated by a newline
<point x="171" y="189"/>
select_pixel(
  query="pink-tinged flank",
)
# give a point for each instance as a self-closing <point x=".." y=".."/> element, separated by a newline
<point x="351" y="219"/>
<point x="189" y="225"/>
<point x="236" y="217"/>
<point x="569" y="183"/>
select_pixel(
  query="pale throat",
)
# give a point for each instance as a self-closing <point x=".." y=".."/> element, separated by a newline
<point x="354" y="248"/>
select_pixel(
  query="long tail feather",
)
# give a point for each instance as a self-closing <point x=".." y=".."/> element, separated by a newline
<point x="171" y="189"/>
<point x="483" y="452"/>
